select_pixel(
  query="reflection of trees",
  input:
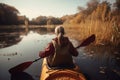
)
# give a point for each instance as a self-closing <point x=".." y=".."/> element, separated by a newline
<point x="9" y="39"/>
<point x="41" y="30"/>
<point x="8" y="14"/>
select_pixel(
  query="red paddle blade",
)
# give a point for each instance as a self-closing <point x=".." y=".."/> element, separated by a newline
<point x="87" y="41"/>
<point x="21" y="67"/>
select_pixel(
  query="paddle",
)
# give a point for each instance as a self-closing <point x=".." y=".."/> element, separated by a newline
<point x="25" y="65"/>
<point x="87" y="41"/>
<point x="21" y="67"/>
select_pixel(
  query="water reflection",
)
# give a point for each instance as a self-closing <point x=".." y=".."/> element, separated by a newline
<point x="25" y="50"/>
<point x="97" y="63"/>
<point x="9" y="39"/>
<point x="21" y="76"/>
<point x="100" y="62"/>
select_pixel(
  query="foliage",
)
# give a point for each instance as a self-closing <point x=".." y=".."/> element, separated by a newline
<point x="117" y="5"/>
<point x="99" y="19"/>
<point x="43" y="20"/>
<point x="8" y="14"/>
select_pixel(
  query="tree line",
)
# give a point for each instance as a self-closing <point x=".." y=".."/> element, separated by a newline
<point x="9" y="15"/>
<point x="94" y="11"/>
<point x="43" y="20"/>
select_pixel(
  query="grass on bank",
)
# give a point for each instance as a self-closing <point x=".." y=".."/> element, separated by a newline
<point x="106" y="33"/>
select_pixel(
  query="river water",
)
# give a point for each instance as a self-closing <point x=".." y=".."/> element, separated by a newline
<point x="94" y="65"/>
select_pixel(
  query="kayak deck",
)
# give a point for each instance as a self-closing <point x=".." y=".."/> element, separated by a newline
<point x="60" y="74"/>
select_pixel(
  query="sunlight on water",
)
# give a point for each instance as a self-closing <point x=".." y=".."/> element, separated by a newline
<point x="26" y="50"/>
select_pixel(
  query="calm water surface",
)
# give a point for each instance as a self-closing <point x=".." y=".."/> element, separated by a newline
<point x="95" y="66"/>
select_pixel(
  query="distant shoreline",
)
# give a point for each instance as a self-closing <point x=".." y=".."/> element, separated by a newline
<point x="10" y="28"/>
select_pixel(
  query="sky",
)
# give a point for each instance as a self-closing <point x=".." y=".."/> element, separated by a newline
<point x="56" y="8"/>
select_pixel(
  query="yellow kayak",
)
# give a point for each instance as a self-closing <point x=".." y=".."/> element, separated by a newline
<point x="60" y="74"/>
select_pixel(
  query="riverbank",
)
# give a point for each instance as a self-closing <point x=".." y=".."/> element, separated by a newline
<point x="104" y="36"/>
<point x="18" y="28"/>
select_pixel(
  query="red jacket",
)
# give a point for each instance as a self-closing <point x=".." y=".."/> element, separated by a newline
<point x="50" y="48"/>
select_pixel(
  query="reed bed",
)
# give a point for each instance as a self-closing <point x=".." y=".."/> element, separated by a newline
<point x="106" y="33"/>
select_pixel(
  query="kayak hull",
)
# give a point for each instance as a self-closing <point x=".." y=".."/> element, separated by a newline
<point x="60" y="74"/>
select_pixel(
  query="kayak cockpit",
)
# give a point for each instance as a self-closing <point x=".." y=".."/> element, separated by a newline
<point x="61" y="73"/>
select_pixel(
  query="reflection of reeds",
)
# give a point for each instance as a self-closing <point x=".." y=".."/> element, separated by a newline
<point x="50" y="27"/>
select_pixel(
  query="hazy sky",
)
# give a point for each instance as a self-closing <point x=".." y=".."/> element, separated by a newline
<point x="56" y="8"/>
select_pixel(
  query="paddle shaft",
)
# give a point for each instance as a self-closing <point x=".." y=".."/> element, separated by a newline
<point x="23" y="66"/>
<point x="37" y="59"/>
<point x="41" y="58"/>
<point x="84" y="43"/>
